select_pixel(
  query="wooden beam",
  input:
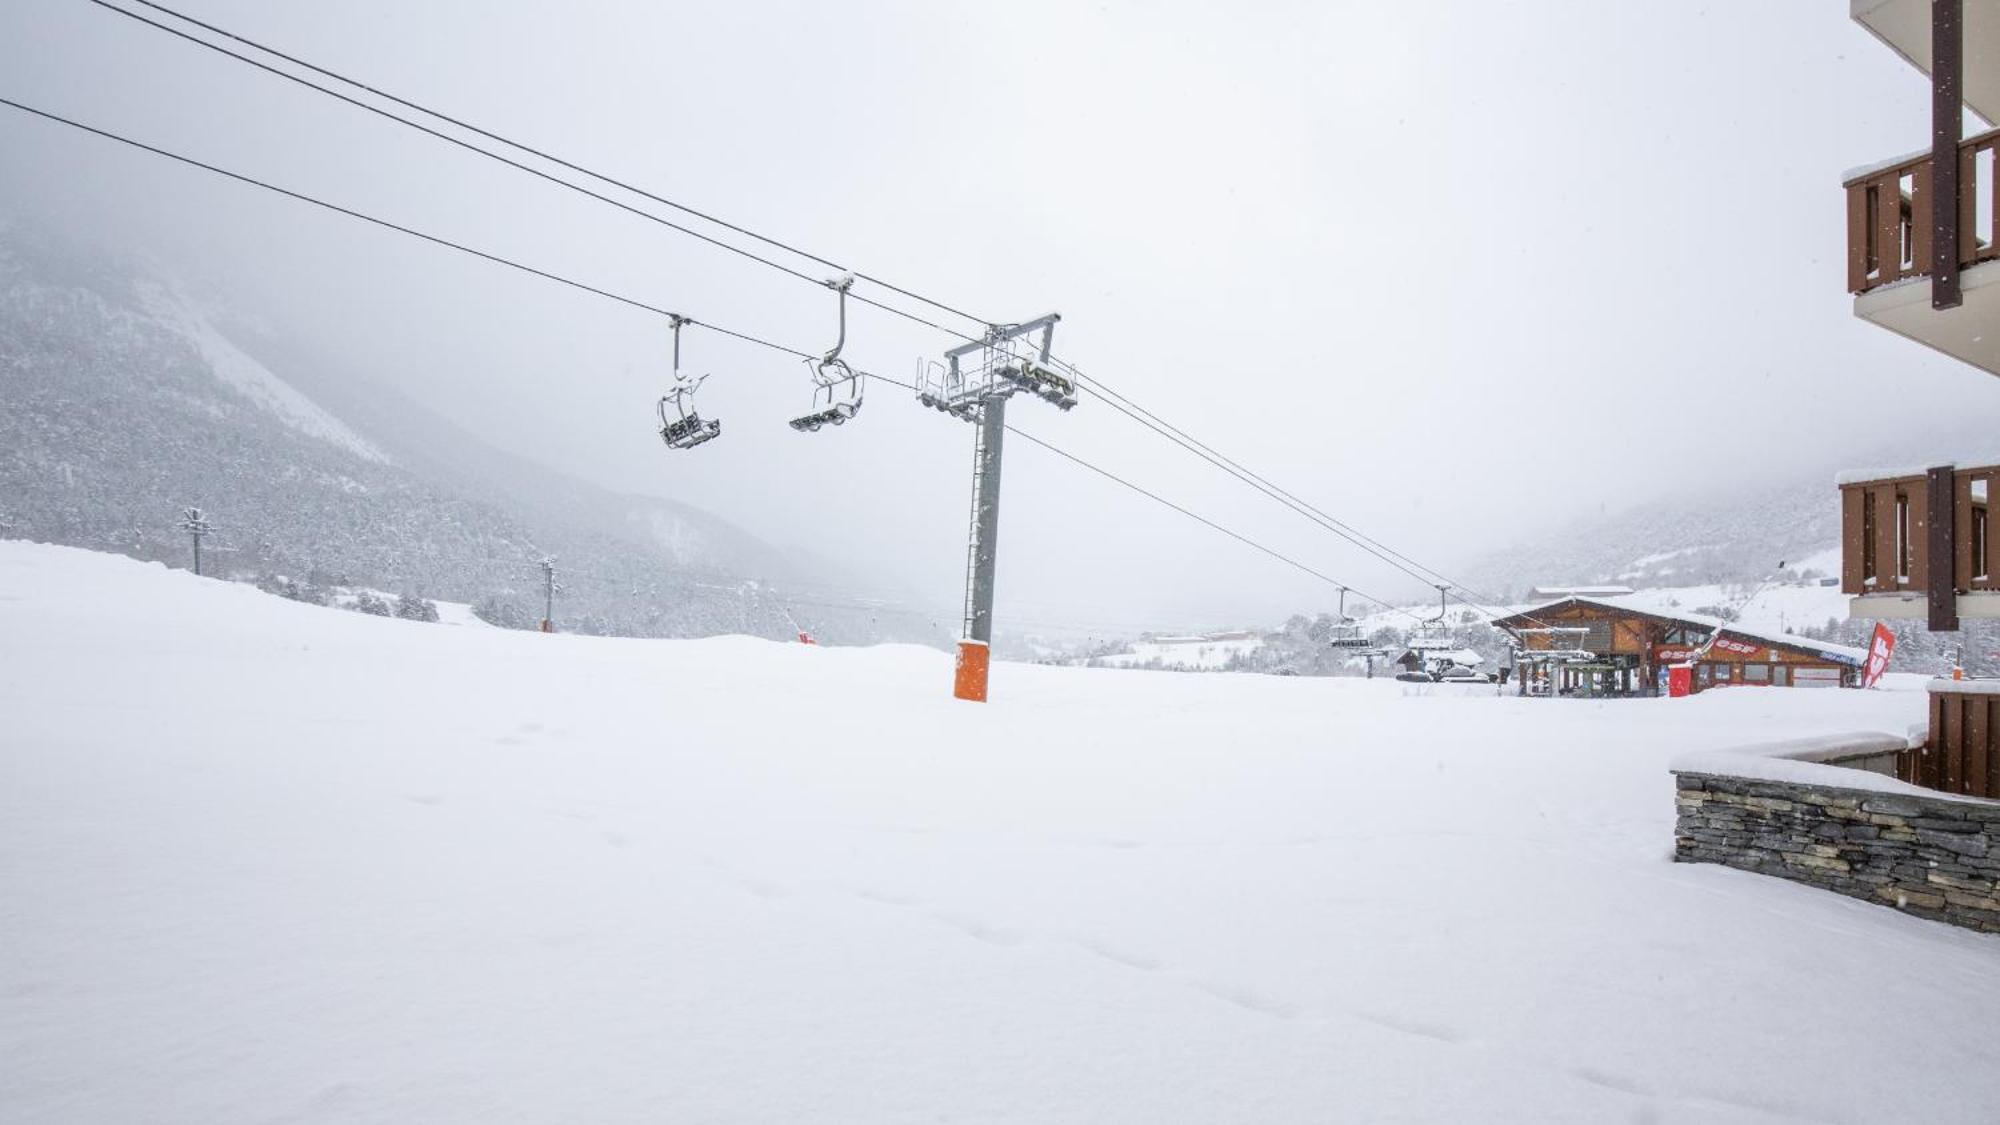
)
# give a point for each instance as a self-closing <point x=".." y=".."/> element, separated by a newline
<point x="1853" y="540"/>
<point x="1940" y="555"/>
<point x="1947" y="115"/>
<point x="1857" y="238"/>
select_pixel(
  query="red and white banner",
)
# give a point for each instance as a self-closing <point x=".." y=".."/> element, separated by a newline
<point x="1880" y="649"/>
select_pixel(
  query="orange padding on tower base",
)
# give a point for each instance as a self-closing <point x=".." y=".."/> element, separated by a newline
<point x="969" y="682"/>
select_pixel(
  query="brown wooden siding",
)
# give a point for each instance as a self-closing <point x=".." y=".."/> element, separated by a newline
<point x="1888" y="224"/>
<point x="1882" y="552"/>
<point x="1962" y="754"/>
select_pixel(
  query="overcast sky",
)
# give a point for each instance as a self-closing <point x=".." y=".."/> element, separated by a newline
<point x="1454" y="272"/>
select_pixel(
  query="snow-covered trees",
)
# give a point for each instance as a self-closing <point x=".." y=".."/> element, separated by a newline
<point x="498" y="611"/>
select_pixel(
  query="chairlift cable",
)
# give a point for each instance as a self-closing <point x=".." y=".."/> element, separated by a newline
<point x="1427" y="575"/>
<point x="646" y="307"/>
<point x="531" y="170"/>
<point x="1110" y="395"/>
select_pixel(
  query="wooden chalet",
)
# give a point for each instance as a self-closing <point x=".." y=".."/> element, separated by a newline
<point x="1601" y="647"/>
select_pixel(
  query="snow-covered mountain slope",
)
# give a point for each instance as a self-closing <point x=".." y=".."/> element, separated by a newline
<point x="173" y="309"/>
<point x="126" y="400"/>
<point x="263" y="861"/>
<point x="1194" y="653"/>
<point x="1786" y="508"/>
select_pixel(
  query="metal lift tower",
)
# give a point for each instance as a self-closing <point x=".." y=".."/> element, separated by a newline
<point x="973" y="384"/>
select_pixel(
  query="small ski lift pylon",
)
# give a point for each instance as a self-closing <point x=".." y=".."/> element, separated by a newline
<point x="684" y="428"/>
<point x="832" y="377"/>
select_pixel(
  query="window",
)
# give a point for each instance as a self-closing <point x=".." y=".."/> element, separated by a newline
<point x="1902" y="536"/>
<point x="1872" y="253"/>
<point x="1869" y="564"/>
<point x="1979" y="555"/>
<point x="1781" y="675"/>
<point x="1756" y="673"/>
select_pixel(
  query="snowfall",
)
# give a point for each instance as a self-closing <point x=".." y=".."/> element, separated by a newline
<point x="263" y="861"/>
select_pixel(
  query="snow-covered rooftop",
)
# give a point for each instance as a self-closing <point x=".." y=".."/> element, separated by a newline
<point x="1583" y="591"/>
<point x="1636" y="604"/>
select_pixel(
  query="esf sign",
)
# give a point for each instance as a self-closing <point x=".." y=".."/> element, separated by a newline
<point x="1671" y="655"/>
<point x="1737" y="647"/>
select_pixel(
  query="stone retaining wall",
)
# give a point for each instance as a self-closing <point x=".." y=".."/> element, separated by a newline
<point x="1937" y="858"/>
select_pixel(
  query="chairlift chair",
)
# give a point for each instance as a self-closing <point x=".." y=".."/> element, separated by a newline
<point x="1433" y="633"/>
<point x="684" y="428"/>
<point x="833" y="379"/>
<point x="1346" y="633"/>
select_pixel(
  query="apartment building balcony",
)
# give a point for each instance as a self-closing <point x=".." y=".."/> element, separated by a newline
<point x="1889" y="251"/>
<point x="1916" y="545"/>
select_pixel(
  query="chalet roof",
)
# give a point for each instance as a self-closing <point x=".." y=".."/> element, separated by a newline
<point x="1580" y="591"/>
<point x="1460" y="656"/>
<point x="1839" y="654"/>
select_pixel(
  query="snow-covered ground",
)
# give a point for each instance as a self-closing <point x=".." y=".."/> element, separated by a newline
<point x="261" y="861"/>
<point x="1190" y="653"/>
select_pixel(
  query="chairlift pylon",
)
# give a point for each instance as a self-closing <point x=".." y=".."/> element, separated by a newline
<point x="684" y="428"/>
<point x="1008" y="359"/>
<point x="832" y="377"/>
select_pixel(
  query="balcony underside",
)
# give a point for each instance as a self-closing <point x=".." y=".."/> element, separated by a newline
<point x="1970" y="332"/>
<point x="1905" y="25"/>
<point x="1912" y="607"/>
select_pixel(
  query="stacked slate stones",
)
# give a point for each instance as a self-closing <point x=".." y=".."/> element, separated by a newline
<point x="1936" y="857"/>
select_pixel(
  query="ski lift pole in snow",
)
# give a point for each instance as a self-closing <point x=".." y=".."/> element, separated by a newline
<point x="197" y="527"/>
<point x="549" y="589"/>
<point x="973" y="385"/>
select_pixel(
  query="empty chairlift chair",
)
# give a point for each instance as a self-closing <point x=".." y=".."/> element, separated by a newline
<point x="1433" y="634"/>
<point x="833" y="380"/>
<point x="681" y="427"/>
<point x="1346" y="633"/>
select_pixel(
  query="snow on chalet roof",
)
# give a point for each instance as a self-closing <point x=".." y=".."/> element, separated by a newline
<point x="1838" y="653"/>
<point x="1462" y="656"/>
<point x="1582" y="591"/>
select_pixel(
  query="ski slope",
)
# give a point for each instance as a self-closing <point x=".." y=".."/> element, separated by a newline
<point x="1191" y="654"/>
<point x="261" y="861"/>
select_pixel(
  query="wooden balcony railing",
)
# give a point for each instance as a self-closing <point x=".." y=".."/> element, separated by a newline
<point x="1888" y="216"/>
<point x="1962" y="752"/>
<point x="1889" y="532"/>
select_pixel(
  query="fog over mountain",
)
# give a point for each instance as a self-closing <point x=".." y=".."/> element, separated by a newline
<point x="1787" y="511"/>
<point x="129" y="397"/>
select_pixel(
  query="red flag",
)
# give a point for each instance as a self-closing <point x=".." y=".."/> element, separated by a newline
<point x="1880" y="649"/>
